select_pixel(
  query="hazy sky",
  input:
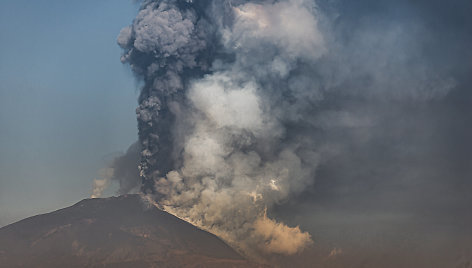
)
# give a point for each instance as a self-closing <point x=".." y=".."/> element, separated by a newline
<point x="66" y="101"/>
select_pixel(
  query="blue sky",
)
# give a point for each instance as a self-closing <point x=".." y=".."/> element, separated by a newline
<point x="66" y="101"/>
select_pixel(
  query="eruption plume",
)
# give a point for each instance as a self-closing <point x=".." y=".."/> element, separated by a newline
<point x="230" y="108"/>
<point x="212" y="119"/>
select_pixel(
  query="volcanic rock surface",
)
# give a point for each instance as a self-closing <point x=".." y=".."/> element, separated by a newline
<point x="112" y="232"/>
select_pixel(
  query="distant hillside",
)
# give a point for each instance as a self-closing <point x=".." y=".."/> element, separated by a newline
<point x="112" y="232"/>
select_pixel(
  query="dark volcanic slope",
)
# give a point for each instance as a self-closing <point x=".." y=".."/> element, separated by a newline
<point x="112" y="232"/>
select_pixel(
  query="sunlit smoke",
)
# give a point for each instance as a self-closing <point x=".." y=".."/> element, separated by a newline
<point x="99" y="185"/>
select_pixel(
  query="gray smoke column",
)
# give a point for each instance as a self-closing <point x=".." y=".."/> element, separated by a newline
<point x="235" y="95"/>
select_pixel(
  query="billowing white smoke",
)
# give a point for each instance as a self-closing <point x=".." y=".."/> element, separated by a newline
<point x="234" y="165"/>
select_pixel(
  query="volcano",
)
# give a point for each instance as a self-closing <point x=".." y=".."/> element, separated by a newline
<point x="112" y="232"/>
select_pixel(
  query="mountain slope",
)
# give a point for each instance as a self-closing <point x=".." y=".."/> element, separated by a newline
<point x="112" y="232"/>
